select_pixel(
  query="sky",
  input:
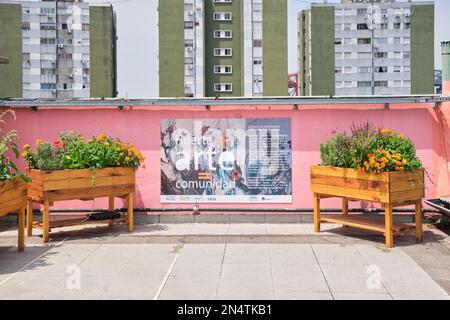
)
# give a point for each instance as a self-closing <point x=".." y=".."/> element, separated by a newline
<point x="137" y="26"/>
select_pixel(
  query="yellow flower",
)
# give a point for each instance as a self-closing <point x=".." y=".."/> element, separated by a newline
<point x="402" y="136"/>
<point x="106" y="143"/>
<point x="24" y="154"/>
<point x="38" y="141"/>
<point x="404" y="162"/>
<point x="27" y="146"/>
<point x="127" y="158"/>
<point x="121" y="154"/>
<point x="117" y="149"/>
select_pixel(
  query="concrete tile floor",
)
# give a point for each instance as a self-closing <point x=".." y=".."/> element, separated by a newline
<point x="224" y="261"/>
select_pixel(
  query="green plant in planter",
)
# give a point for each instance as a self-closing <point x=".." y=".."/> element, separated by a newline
<point x="336" y="152"/>
<point x="72" y="151"/>
<point x="8" y="169"/>
<point x="370" y="150"/>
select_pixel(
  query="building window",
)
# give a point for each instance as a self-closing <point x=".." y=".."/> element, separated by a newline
<point x="48" y="26"/>
<point x="25" y="26"/>
<point x="48" y="40"/>
<point x="364" y="40"/>
<point x="257" y="62"/>
<point x="223" y="52"/>
<point x="223" y="34"/>
<point x="347" y="26"/>
<point x="223" y="1"/>
<point x="397" y="25"/>
<point x="348" y="69"/>
<point x="407" y="83"/>
<point x="397" y="40"/>
<point x="364" y="55"/>
<point x="338" y="70"/>
<point x="85" y="26"/>
<point x="348" y="84"/>
<point x="48" y="86"/>
<point x="362" y="26"/>
<point x="379" y="41"/>
<point x="406" y="55"/>
<point x="383" y="84"/>
<point x="223" y="69"/>
<point x="396" y="69"/>
<point x="223" y="87"/>
<point x="397" y="83"/>
<point x="407" y="25"/>
<point x="381" y="69"/>
<point x="337" y="41"/>
<point x="47" y="10"/>
<point x="381" y="55"/>
<point x="347" y="41"/>
<point x="47" y="71"/>
<point x="65" y="56"/>
<point x="222" y="16"/>
<point x="364" y="69"/>
<point x="406" y="69"/>
<point x="406" y="40"/>
<point x="347" y="55"/>
<point x="361" y="12"/>
<point x="189" y="24"/>
<point x="257" y="43"/>
<point x="383" y="26"/>
<point x="364" y="84"/>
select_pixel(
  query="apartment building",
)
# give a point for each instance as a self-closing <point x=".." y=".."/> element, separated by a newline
<point x="210" y="48"/>
<point x="366" y="48"/>
<point x="57" y="49"/>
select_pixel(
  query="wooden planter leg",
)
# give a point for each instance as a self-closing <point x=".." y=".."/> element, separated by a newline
<point x="111" y="208"/>
<point x="389" y="235"/>
<point x="130" y="212"/>
<point x="21" y="227"/>
<point x="29" y="218"/>
<point x="345" y="208"/>
<point x="419" y="230"/>
<point x="316" y="213"/>
<point x="45" y="221"/>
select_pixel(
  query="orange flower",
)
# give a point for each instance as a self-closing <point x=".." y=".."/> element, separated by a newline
<point x="102" y="137"/>
<point x="27" y="146"/>
<point x="38" y="141"/>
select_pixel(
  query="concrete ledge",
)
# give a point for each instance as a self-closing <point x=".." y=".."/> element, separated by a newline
<point x="221" y="218"/>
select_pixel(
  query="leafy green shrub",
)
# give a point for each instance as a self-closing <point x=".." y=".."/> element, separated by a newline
<point x="336" y="151"/>
<point x="8" y="169"/>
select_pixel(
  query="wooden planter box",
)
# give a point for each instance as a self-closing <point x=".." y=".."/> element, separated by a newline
<point x="13" y="198"/>
<point x="390" y="189"/>
<point x="82" y="184"/>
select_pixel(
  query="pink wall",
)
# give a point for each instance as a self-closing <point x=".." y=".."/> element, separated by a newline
<point x="310" y="126"/>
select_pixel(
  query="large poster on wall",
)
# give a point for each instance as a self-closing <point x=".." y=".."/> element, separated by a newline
<point x="226" y="160"/>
